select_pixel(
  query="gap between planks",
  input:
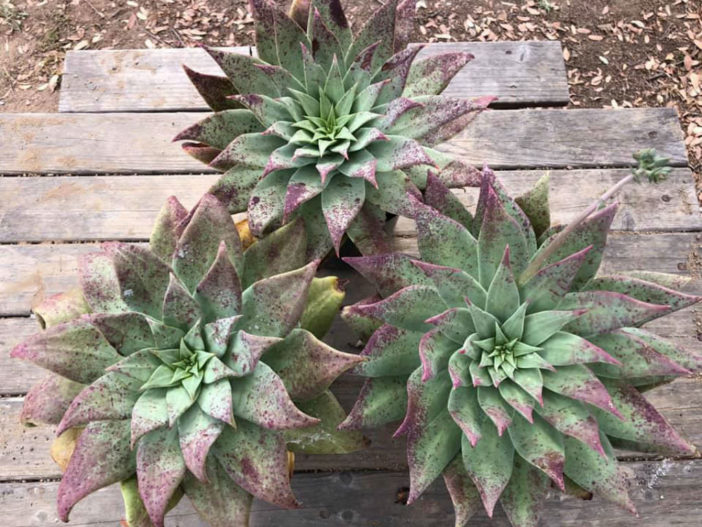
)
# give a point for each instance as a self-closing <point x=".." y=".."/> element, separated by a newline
<point x="124" y="143"/>
<point x="528" y="73"/>
<point x="664" y="493"/>
<point x="124" y="207"/>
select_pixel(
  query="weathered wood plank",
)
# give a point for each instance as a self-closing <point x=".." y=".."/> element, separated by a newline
<point x="518" y="73"/>
<point x="24" y="452"/>
<point x="665" y="493"/>
<point x="29" y="273"/>
<point x="124" y="207"/>
<point x="123" y="143"/>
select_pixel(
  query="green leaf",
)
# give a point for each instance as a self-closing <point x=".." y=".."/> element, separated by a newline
<point x="381" y="400"/>
<point x="341" y="202"/>
<point x="324" y="301"/>
<point x="524" y="494"/>
<point x="535" y="205"/>
<point x="221" y="128"/>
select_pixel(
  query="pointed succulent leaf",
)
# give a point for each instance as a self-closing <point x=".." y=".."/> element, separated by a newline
<point x="324" y="301"/>
<point x="256" y="459"/>
<point x="48" y="400"/>
<point x="99" y="283"/>
<point x="341" y="202"/>
<point x="379" y="28"/>
<point x="464" y="495"/>
<point x="524" y="494"/>
<point x="75" y="350"/>
<point x="438" y="196"/>
<point x="246" y="350"/>
<point x="61" y="307"/>
<point x="395" y="193"/>
<point x="216" y="401"/>
<point x="149" y="413"/>
<point x="539" y="327"/>
<point x="102" y="456"/>
<point x="566" y="349"/>
<point x="430" y="76"/>
<point x="266" y="204"/>
<point x="435" y="349"/>
<point x="234" y="187"/>
<point x="491" y="402"/>
<point x="535" y="205"/>
<point x="578" y="382"/>
<point x="465" y="411"/>
<point x="250" y="150"/>
<point x="247" y="73"/>
<point x="381" y="400"/>
<point x="219" y="291"/>
<point x="390" y="351"/>
<point x="540" y="445"/>
<point x="389" y="272"/>
<point x="453" y="285"/>
<point x="197" y="431"/>
<point x="274" y="305"/>
<point x="214" y="89"/>
<point x="218" y="128"/>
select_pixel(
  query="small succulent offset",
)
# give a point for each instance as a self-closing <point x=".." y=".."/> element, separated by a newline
<point x="512" y="363"/>
<point x="328" y="126"/>
<point x="179" y="363"/>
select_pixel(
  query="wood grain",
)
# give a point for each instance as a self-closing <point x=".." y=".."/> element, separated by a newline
<point x="665" y="493"/>
<point x="530" y="74"/>
<point x="126" y="143"/>
<point x="67" y="208"/>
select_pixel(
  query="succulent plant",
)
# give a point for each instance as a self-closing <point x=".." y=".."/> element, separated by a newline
<point x="179" y="363"/>
<point x="328" y="126"/>
<point x="511" y="362"/>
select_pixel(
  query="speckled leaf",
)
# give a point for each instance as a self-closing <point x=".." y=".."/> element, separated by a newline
<point x="149" y="413"/>
<point x="539" y="444"/>
<point x="306" y="365"/>
<point x="539" y="327"/>
<point x="390" y="351"/>
<point x="394" y="193"/>
<point x="160" y="470"/>
<point x="438" y="196"/>
<point x="488" y="464"/>
<point x="220" y="501"/>
<point x="641" y="422"/>
<point x="689" y="359"/>
<point x="278" y="37"/>
<point x="319" y="242"/>
<point x="453" y="285"/>
<point x="430" y="76"/>
<point x="101" y="457"/>
<point x="324" y="438"/>
<point x="443" y="241"/>
<point x="197" y="249"/>
<point x="197" y="431"/>
<point x="404" y="23"/>
<point x="216" y="400"/>
<point x="214" y="89"/>
<point x="591" y="232"/>
<point x="571" y="418"/>
<point x="455" y="323"/>
<point x="251" y="75"/>
<point x="578" y="382"/>
<point x="234" y="187"/>
<point x="491" y="402"/>
<point x="246" y="350"/>
<point x="267" y="202"/>
<point x="139" y="365"/>
<point x="517" y="398"/>
<point x="179" y="308"/>
<point x="394" y="75"/>
<point x="465" y="411"/>
<point x="109" y="398"/>
<point x="596" y="473"/>
<point x="606" y="311"/>
<point x="256" y="459"/>
<point x="48" y="400"/>
<point x="524" y="494"/>
<point x="218" y="129"/>
<point x="75" y="350"/>
<point x="565" y="349"/>
<point x="126" y="332"/>
<point x="99" y="283"/>
<point x="381" y="400"/>
<point x="425" y="400"/>
<point x="464" y="495"/>
<point x="262" y="398"/>
<point x="219" y="291"/>
<point x="503" y="295"/>
<point x="341" y="202"/>
<point x="379" y="27"/>
<point x="431" y="446"/>
<point x="435" y="349"/>
<point x="407" y="309"/>
<point x="273" y="306"/>
<point x="535" y="205"/>
<point x="548" y="286"/>
<point x="389" y="272"/>
<point x="247" y="151"/>
<point x="61" y="307"/>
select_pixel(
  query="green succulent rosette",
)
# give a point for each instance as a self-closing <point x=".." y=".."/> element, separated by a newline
<point x="329" y="126"/>
<point x="512" y="364"/>
<point x="188" y="368"/>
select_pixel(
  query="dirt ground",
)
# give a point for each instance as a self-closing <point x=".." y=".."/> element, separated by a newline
<point x="619" y="53"/>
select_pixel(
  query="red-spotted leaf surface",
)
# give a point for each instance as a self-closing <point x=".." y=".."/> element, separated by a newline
<point x="521" y="369"/>
<point x="330" y="113"/>
<point x="186" y="365"/>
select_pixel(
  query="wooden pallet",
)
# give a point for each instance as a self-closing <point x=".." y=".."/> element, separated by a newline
<point x="110" y="153"/>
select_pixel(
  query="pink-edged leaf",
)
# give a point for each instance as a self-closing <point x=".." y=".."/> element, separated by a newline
<point x="180" y="309"/>
<point x="524" y="495"/>
<point x="197" y="431"/>
<point x="464" y="496"/>
<point x="220" y="501"/>
<point x="381" y="400"/>
<point x="394" y="72"/>
<point x="388" y="272"/>
<point x="109" y="398"/>
<point x="256" y="459"/>
<point x="341" y="202"/>
<point x="398" y="152"/>
<point x="126" y="332"/>
<point x="202" y="152"/>
<point x="219" y="291"/>
<point x="102" y="456"/>
<point x="246" y="351"/>
<point x="435" y="349"/>
<point x="425" y="400"/>
<point x="571" y="418"/>
<point x="99" y="283"/>
<point x="541" y="445"/>
<point x="395" y="193"/>
<point x="456" y="323"/>
<point x="438" y="196"/>
<point x="262" y="398"/>
<point x="465" y="411"/>
<point x="566" y="349"/>
<point x="369" y="230"/>
<point x="390" y="351"/>
<point x="596" y="473"/>
<point x="491" y="401"/>
<point x="75" y="350"/>
<point x="404" y="23"/>
<point x="48" y="400"/>
<point x="306" y="365"/>
<point x="432" y="75"/>
<point x="514" y="396"/>
<point x="247" y="73"/>
<point x="548" y="286"/>
<point x="489" y="464"/>
<point x="578" y="382"/>
<point x="214" y="89"/>
<point x="641" y="422"/>
<point x="379" y="27"/>
<point x="216" y="401"/>
<point x="150" y="412"/>
<point x="160" y="470"/>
